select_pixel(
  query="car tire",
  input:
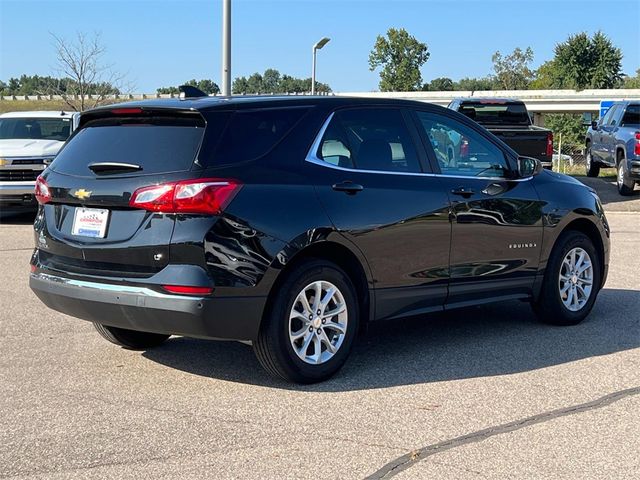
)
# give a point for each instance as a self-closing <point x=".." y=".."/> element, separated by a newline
<point x="625" y="185"/>
<point x="130" y="339"/>
<point x="287" y="344"/>
<point x="556" y="304"/>
<point x="593" y="169"/>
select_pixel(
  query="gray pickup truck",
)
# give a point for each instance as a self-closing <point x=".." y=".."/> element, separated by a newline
<point x="28" y="143"/>
<point x="509" y="120"/>
<point x="614" y="142"/>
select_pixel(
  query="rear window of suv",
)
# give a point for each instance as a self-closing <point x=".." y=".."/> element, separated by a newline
<point x="157" y="144"/>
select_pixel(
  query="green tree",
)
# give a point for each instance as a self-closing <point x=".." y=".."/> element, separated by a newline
<point x="632" y="82"/>
<point x="400" y="57"/>
<point x="254" y="83"/>
<point x="547" y="77"/>
<point x="474" y="84"/>
<point x="512" y="71"/>
<point x="207" y="86"/>
<point x="272" y="81"/>
<point x="582" y="62"/>
<point x="440" y="84"/>
<point x="571" y="128"/>
<point x="167" y="90"/>
<point x="45" y="85"/>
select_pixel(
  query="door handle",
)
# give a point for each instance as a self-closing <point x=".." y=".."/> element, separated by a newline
<point x="347" y="187"/>
<point x="463" y="192"/>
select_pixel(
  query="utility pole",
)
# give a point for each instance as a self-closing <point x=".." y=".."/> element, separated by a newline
<point x="226" y="47"/>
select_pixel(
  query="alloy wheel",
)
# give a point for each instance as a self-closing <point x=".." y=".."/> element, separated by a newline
<point x="318" y="322"/>
<point x="575" y="282"/>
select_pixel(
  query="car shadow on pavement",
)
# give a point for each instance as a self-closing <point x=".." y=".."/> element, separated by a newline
<point x="475" y="342"/>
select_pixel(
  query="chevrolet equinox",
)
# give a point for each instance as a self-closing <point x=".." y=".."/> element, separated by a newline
<point x="290" y="222"/>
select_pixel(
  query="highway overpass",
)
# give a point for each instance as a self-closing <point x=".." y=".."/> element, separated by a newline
<point x="537" y="101"/>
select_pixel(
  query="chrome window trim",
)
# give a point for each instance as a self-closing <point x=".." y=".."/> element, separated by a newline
<point x="312" y="157"/>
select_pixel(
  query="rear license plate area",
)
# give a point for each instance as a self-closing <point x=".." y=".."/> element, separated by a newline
<point x="90" y="222"/>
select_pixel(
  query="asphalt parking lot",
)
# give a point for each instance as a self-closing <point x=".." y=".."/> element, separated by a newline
<point x="479" y="393"/>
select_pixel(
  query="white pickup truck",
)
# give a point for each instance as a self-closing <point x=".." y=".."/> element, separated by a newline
<point x="28" y="143"/>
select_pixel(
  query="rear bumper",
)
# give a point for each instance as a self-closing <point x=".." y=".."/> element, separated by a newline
<point x="17" y="193"/>
<point x="145" y="309"/>
<point x="633" y="169"/>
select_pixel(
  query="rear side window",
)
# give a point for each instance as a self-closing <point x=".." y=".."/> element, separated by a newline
<point x="369" y="139"/>
<point x="157" y="144"/>
<point x="631" y="116"/>
<point x="250" y="134"/>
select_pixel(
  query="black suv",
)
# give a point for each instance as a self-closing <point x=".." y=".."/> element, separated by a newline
<point x="290" y="222"/>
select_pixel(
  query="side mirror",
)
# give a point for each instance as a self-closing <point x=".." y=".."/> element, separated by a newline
<point x="528" y="166"/>
<point x="594" y="124"/>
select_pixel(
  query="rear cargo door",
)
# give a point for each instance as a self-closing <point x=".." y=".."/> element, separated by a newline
<point x="88" y="226"/>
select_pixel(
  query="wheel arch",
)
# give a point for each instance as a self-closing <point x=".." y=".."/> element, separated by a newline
<point x="588" y="228"/>
<point x="343" y="257"/>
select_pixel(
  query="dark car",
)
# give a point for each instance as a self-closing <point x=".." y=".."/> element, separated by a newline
<point x="291" y="222"/>
<point x="614" y="142"/>
<point x="508" y="119"/>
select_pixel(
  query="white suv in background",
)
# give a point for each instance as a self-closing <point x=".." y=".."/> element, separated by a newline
<point x="28" y="143"/>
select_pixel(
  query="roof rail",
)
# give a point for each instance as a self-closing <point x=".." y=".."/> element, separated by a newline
<point x="188" y="91"/>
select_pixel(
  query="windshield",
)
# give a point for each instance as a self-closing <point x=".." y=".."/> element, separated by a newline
<point x="35" y="128"/>
<point x="496" y="113"/>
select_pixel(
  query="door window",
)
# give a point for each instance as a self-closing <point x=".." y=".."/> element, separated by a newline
<point x="460" y="150"/>
<point x="369" y="139"/>
<point x="631" y="116"/>
<point x="606" y="120"/>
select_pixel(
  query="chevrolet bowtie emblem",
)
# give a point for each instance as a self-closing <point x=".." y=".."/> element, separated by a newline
<point x="81" y="194"/>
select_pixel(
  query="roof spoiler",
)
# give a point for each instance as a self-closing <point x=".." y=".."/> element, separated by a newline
<point x="188" y="91"/>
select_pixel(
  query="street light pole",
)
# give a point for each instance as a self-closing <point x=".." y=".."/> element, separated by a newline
<point x="226" y="47"/>
<point x="321" y="43"/>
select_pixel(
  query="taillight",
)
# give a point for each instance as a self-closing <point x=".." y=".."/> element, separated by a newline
<point x="43" y="194"/>
<point x="550" y="145"/>
<point x="187" y="290"/>
<point x="636" y="148"/>
<point x="204" y="195"/>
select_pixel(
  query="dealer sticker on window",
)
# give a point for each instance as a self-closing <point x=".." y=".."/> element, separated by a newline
<point x="90" y="222"/>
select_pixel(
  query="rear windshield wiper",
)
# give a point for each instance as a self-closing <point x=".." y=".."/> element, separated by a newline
<point x="113" y="167"/>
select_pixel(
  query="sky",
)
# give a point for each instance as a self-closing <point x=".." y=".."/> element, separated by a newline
<point x="167" y="42"/>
